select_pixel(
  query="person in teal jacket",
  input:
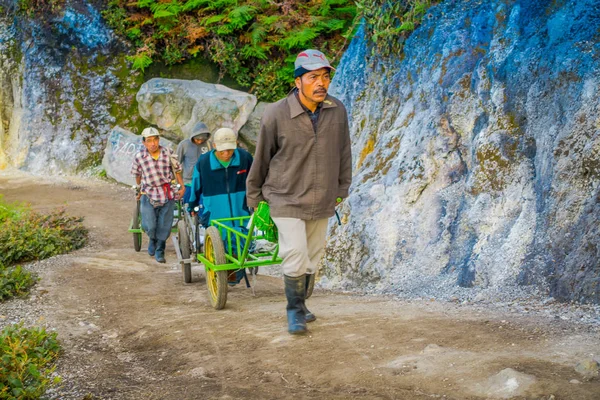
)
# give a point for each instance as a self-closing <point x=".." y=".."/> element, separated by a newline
<point x="220" y="177"/>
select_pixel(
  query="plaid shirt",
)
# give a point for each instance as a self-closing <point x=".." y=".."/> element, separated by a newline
<point x="156" y="174"/>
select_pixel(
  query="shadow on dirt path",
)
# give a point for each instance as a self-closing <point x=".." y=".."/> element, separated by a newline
<point x="132" y="330"/>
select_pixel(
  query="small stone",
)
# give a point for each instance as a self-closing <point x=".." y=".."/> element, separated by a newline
<point x="574" y="382"/>
<point x="588" y="369"/>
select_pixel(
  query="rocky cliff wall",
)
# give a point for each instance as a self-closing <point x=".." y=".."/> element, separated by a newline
<point x="476" y="154"/>
<point x="64" y="83"/>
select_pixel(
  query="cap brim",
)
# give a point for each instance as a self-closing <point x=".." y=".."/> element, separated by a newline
<point x="315" y="66"/>
<point x="226" y="146"/>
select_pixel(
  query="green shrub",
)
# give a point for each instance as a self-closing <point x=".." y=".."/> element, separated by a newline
<point x="27" y="361"/>
<point x="27" y="235"/>
<point x="14" y="281"/>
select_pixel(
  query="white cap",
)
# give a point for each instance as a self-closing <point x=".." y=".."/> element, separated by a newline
<point x="225" y="139"/>
<point x="150" y="132"/>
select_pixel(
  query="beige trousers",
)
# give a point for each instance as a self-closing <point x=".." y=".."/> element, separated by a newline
<point x="301" y="244"/>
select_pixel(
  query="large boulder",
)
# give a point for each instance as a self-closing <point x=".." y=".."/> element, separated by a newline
<point x="121" y="147"/>
<point x="175" y="105"/>
<point x="249" y="132"/>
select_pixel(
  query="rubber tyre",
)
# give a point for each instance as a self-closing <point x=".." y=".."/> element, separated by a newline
<point x="184" y="246"/>
<point x="135" y="224"/>
<point x="311" y="286"/>
<point x="216" y="281"/>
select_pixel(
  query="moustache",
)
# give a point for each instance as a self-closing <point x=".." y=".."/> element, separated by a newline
<point x="320" y="91"/>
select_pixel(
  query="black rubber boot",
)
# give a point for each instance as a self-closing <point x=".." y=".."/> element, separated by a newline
<point x="160" y="251"/>
<point x="295" y="291"/>
<point x="310" y="317"/>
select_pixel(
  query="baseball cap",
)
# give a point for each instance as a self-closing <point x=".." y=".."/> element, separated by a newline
<point x="310" y="60"/>
<point x="225" y="139"/>
<point x="150" y="132"/>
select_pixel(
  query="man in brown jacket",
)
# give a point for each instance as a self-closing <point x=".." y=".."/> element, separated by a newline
<point x="302" y="169"/>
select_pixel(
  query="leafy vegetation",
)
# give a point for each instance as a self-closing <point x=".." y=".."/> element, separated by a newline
<point x="32" y="7"/>
<point x="14" y="281"/>
<point x="389" y="23"/>
<point x="28" y="354"/>
<point x="27" y="235"/>
<point x="254" y="41"/>
<point x="27" y="361"/>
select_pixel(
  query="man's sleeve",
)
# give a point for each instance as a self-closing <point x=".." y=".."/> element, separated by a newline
<point x="136" y="168"/>
<point x="345" y="161"/>
<point x="179" y="151"/>
<point x="266" y="146"/>
<point x="196" y="188"/>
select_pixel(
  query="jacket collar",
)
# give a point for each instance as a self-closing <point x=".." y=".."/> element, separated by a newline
<point x="296" y="108"/>
<point x="215" y="164"/>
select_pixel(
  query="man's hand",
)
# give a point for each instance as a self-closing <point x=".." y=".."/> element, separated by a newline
<point x="138" y="191"/>
<point x="181" y="191"/>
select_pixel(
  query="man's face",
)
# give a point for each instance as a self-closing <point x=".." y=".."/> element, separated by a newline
<point x="313" y="85"/>
<point x="151" y="143"/>
<point x="198" y="140"/>
<point x="224" y="155"/>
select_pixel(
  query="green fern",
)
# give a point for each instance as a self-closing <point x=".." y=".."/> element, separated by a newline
<point x="213" y="19"/>
<point x="249" y="51"/>
<point x="145" y="3"/>
<point x="298" y="38"/>
<point x="222" y="4"/>
<point x="194" y="4"/>
<point x="239" y="16"/>
<point x="140" y="61"/>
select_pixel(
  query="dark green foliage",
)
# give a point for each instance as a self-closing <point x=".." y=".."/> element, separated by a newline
<point x="26" y="235"/>
<point x="32" y="7"/>
<point x="27" y="355"/>
<point x="14" y="281"/>
<point x="251" y="40"/>
<point x="389" y="23"/>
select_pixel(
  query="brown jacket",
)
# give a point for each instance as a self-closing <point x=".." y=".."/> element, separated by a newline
<point x="300" y="173"/>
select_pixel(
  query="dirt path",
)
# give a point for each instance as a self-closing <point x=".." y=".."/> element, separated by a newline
<point x="132" y="330"/>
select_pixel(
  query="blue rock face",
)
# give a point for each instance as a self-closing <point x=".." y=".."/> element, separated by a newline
<point x="68" y="77"/>
<point x="476" y="154"/>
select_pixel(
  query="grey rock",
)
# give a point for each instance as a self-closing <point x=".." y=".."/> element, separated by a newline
<point x="589" y="369"/>
<point x="121" y="147"/>
<point x="249" y="132"/>
<point x="506" y="384"/>
<point x="176" y="105"/>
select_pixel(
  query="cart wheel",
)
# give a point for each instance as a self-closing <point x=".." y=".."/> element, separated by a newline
<point x="311" y="285"/>
<point x="184" y="246"/>
<point x="216" y="281"/>
<point x="137" y="237"/>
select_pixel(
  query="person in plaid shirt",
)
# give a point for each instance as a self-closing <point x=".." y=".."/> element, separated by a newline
<point x="153" y="169"/>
